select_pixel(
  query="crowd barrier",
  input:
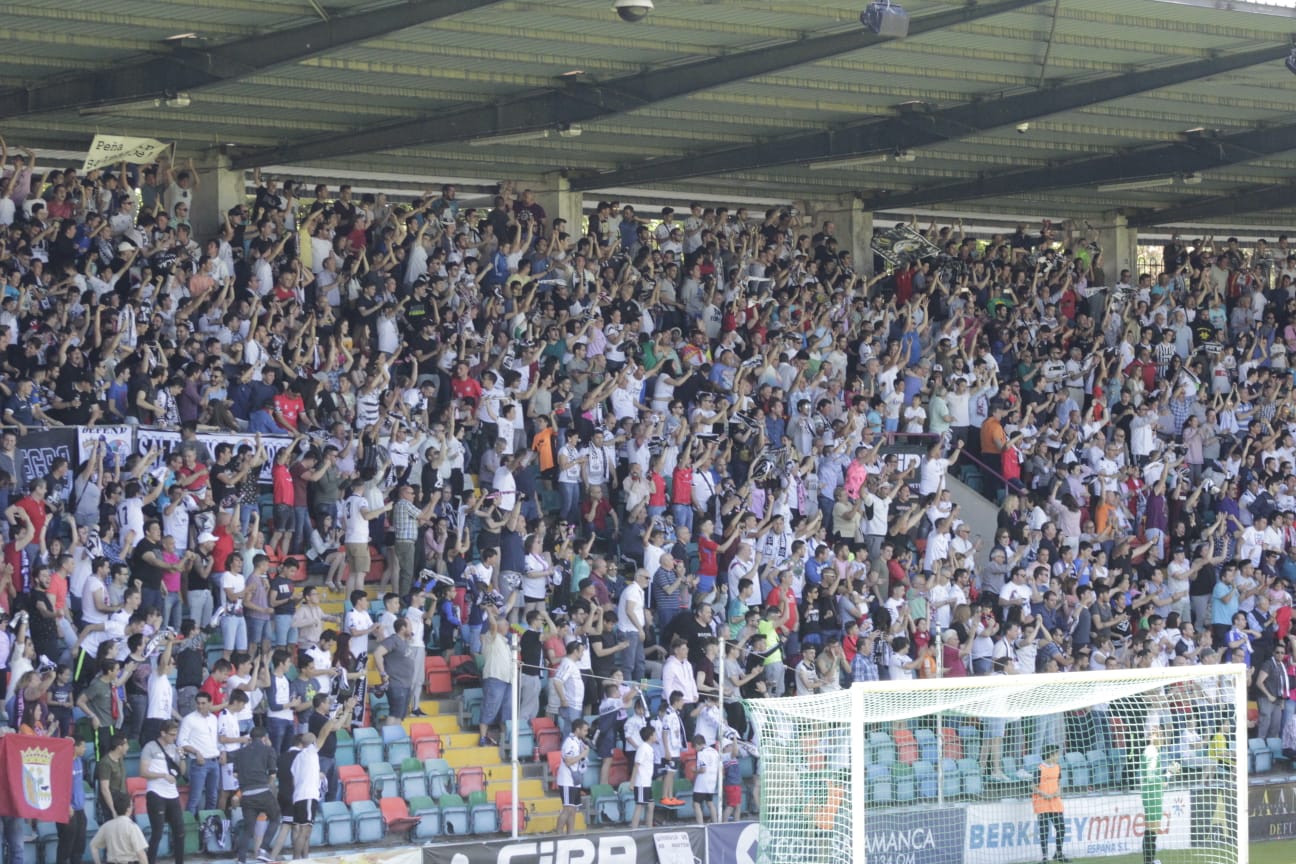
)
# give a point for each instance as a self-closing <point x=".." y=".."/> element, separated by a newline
<point x="38" y="449"/>
<point x="993" y="833"/>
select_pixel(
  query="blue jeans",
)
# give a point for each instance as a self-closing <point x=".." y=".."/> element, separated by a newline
<point x="204" y="781"/>
<point x="171" y="610"/>
<point x="471" y="636"/>
<point x="284" y="633"/>
<point x="301" y="528"/>
<point x="632" y="658"/>
<point x="570" y="493"/>
<point x="150" y="598"/>
<point x="258" y="630"/>
<point x="245" y="516"/>
<point x="683" y="514"/>
<point x="279" y="731"/>
<point x="200" y="607"/>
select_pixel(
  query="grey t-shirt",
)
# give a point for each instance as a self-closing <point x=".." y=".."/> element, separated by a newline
<point x="399" y="660"/>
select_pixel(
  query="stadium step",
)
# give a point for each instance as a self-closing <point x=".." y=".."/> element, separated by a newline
<point x="528" y="790"/>
<point x="546" y="823"/>
<point x="470" y="756"/>
<point x="444" y="723"/>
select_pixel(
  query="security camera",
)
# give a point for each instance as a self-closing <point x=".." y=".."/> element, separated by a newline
<point x="632" y="10"/>
<point x="1023" y="128"/>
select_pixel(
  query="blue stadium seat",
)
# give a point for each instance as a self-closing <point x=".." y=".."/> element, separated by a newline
<point x="927" y="747"/>
<point x="1099" y="772"/>
<point x="1077" y="771"/>
<point x="951" y="783"/>
<point x="369" y="825"/>
<point x="970" y="776"/>
<point x="338" y="827"/>
<point x="1258" y="756"/>
<point x="879" y="784"/>
<point x="925" y="777"/>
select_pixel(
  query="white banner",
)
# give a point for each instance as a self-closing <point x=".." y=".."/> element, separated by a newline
<point x="168" y="441"/>
<point x="117" y="440"/>
<point x="111" y="149"/>
<point x="1096" y="826"/>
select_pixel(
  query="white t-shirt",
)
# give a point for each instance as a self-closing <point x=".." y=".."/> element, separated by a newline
<point x="642" y="776"/>
<point x="234" y="583"/>
<point x="357" y="527"/>
<point x="157" y="764"/>
<point x="569" y="775"/>
<point x="306" y="775"/>
<point x="707" y="780"/>
<point x="160" y="698"/>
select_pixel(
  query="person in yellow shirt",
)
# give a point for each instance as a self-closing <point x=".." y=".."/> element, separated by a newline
<point x="1046" y="800"/>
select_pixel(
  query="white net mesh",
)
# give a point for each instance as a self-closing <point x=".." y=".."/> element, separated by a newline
<point x="1138" y="766"/>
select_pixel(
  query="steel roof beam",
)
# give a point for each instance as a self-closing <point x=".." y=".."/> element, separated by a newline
<point x="186" y="68"/>
<point x="920" y="128"/>
<point x="1194" y="153"/>
<point x="1256" y="199"/>
<point x="581" y="101"/>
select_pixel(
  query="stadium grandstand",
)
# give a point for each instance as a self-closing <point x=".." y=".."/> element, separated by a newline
<point x="439" y="420"/>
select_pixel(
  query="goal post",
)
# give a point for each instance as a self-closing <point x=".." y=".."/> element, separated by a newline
<point x="1106" y="766"/>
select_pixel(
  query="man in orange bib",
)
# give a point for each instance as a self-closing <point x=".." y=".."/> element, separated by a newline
<point x="1047" y="802"/>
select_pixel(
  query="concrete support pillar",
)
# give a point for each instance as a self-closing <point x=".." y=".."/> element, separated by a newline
<point x="219" y="189"/>
<point x="852" y="224"/>
<point x="555" y="195"/>
<point x="1119" y="243"/>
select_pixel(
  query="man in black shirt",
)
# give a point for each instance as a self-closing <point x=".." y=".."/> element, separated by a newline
<point x="285" y="795"/>
<point x="327" y="747"/>
<point x="255" y="768"/>
<point x="531" y="649"/>
<point x="147" y="565"/>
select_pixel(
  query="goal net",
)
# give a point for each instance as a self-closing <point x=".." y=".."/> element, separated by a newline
<point x="1120" y="766"/>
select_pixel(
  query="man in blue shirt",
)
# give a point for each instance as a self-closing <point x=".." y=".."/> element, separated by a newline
<point x="72" y="834"/>
<point x="1224" y="605"/>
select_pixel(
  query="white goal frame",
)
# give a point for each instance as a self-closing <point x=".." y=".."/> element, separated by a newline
<point x="938" y="691"/>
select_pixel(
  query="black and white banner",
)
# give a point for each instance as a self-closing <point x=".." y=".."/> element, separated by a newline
<point x="685" y="844"/>
<point x="165" y="441"/>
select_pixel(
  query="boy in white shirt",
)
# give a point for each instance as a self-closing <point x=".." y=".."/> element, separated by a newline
<point x="706" y="784"/>
<point x="641" y="777"/>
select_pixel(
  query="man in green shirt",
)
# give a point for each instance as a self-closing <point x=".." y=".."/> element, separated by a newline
<point x="110" y="775"/>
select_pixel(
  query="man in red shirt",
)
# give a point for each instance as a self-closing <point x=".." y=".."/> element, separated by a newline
<point x="214" y="686"/>
<point x="224" y="542"/>
<point x="464" y="387"/>
<point x="33" y="504"/>
<point x="193" y="475"/>
<point x="285" y="499"/>
<point x="289" y="410"/>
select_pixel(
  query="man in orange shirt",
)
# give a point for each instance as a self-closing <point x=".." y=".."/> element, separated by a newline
<point x="1046" y="800"/>
<point x="993" y="438"/>
<point x="545" y="445"/>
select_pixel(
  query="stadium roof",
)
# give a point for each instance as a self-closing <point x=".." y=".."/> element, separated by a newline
<point x="739" y="99"/>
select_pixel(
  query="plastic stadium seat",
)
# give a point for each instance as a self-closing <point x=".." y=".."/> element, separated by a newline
<point x="605" y="806"/>
<point x="346" y="754"/>
<point x="396" y="816"/>
<point x="1099" y="774"/>
<point x="952" y="747"/>
<point x="902" y="778"/>
<point x="1258" y="755"/>
<point x="547" y="737"/>
<point x="413" y="782"/>
<point x="625" y="794"/>
<point x="482" y="815"/>
<point x="382" y="778"/>
<point x="471" y="780"/>
<point x="1276" y="750"/>
<point x="881" y="749"/>
<point x="1077" y="773"/>
<point x="135" y="788"/>
<point x="507" y="812"/>
<point x="437" y="674"/>
<point x="368" y="745"/>
<point x="879" y="784"/>
<point x="592" y="773"/>
<point x="1030" y="764"/>
<point x="141" y="819"/>
<point x="429" y="816"/>
<point x="339" y="830"/>
<point x="470" y="707"/>
<point x="398" y="743"/>
<point x="526" y="741"/>
<point x="369" y="825"/>
<point x="688" y="764"/>
<point x="970" y="738"/>
<point x="552" y="760"/>
<point x="454" y="814"/>
<point x="355" y="783"/>
<point x="906" y="746"/>
<point x="925" y="776"/>
<point x="619" y="770"/>
<point x="970" y="776"/>
<point x="193" y="836"/>
<point x="951" y="784"/>
<point x="440" y="777"/>
<point x="927" y="745"/>
<point x="427" y="743"/>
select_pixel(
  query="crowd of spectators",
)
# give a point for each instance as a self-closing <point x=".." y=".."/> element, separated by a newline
<point x="638" y="441"/>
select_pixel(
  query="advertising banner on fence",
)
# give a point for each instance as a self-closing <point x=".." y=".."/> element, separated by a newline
<point x="683" y="845"/>
<point x="928" y="836"/>
<point x="1095" y="827"/>
<point x="1272" y="810"/>
<point x="117" y="440"/>
<point x="164" y="441"/>
<point x="38" y="449"/>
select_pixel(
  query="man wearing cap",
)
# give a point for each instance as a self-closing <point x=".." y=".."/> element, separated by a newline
<point x="255" y="766"/>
